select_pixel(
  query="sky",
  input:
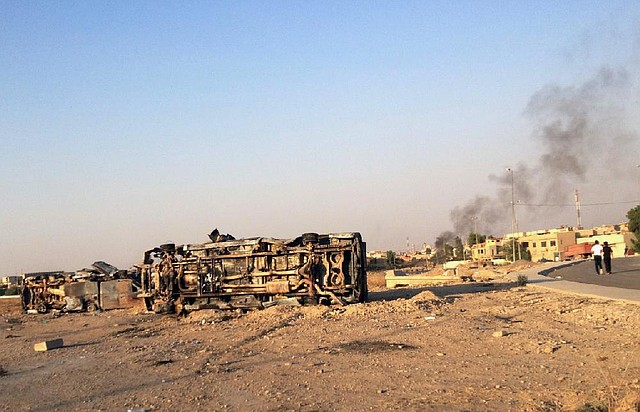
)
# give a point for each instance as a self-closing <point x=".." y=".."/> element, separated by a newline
<point x="127" y="124"/>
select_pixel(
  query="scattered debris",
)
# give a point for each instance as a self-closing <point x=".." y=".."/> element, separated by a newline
<point x="102" y="286"/>
<point x="162" y="362"/>
<point x="550" y="349"/>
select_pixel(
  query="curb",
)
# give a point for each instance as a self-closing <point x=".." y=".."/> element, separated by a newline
<point x="540" y="278"/>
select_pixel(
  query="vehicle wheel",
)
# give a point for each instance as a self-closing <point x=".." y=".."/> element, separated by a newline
<point x="309" y="238"/>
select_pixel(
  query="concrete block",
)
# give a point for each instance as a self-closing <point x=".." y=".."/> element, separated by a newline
<point x="48" y="345"/>
<point x="393" y="280"/>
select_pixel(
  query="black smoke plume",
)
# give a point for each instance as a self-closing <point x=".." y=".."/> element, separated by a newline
<point x="581" y="133"/>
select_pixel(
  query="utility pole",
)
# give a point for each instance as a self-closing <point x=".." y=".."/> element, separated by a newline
<point x="579" y="221"/>
<point x="513" y="217"/>
<point x="475" y="231"/>
<point x="475" y="227"/>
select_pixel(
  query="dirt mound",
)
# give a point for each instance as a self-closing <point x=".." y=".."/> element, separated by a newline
<point x="424" y="296"/>
<point x="516" y="266"/>
<point x="485" y="275"/>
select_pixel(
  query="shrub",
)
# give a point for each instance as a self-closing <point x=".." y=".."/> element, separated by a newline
<point x="12" y="291"/>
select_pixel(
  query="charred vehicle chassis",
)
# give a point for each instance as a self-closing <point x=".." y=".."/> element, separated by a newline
<point x="255" y="272"/>
<point x="102" y="286"/>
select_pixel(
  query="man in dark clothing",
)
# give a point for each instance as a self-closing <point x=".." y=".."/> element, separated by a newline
<point x="607" y="253"/>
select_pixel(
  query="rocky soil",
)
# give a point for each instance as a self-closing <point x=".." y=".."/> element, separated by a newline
<point x="481" y="346"/>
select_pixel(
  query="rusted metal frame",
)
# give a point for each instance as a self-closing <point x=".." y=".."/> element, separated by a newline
<point x="328" y="293"/>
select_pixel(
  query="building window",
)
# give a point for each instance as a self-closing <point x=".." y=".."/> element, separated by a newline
<point x="534" y="244"/>
<point x="543" y="244"/>
<point x="553" y="243"/>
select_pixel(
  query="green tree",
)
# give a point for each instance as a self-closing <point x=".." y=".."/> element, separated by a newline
<point x="634" y="226"/>
<point x="12" y="291"/>
<point x="473" y="236"/>
<point x="391" y="258"/>
<point x="443" y="246"/>
<point x="448" y="252"/>
<point x="507" y="248"/>
<point x="521" y="251"/>
<point x="458" y="248"/>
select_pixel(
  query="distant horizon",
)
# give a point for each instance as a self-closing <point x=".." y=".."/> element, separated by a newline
<point x="364" y="239"/>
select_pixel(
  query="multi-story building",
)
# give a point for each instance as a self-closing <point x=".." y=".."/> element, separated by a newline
<point x="490" y="249"/>
<point x="547" y="245"/>
<point x="550" y="244"/>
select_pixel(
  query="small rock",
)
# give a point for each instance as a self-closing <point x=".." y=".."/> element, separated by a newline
<point x="500" y="333"/>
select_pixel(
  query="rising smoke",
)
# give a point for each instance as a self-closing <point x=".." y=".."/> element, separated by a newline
<point x="582" y="132"/>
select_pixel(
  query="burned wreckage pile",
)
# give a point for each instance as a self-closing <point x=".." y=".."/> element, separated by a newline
<point x="102" y="286"/>
<point x="225" y="273"/>
<point x="255" y="272"/>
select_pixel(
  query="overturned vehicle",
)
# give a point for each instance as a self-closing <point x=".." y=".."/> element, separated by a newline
<point x="228" y="273"/>
<point x="102" y="286"/>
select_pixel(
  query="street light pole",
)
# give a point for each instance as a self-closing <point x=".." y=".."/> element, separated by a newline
<point x="513" y="217"/>
<point x="475" y="231"/>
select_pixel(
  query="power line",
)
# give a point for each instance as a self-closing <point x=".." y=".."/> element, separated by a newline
<point x="573" y="205"/>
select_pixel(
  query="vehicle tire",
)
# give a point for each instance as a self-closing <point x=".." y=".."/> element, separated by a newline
<point x="168" y="248"/>
<point x="309" y="238"/>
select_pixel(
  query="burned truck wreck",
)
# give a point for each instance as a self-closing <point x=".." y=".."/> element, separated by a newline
<point x="228" y="273"/>
<point x="102" y="286"/>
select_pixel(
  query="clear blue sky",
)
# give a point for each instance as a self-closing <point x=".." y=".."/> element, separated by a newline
<point x="125" y="124"/>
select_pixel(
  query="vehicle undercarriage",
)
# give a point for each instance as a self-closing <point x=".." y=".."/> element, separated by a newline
<point x="256" y="272"/>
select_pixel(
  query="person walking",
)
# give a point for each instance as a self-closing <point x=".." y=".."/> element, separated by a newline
<point x="596" y="250"/>
<point x="607" y="253"/>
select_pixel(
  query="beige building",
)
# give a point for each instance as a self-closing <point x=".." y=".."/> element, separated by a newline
<point x="490" y="249"/>
<point x="550" y="244"/>
<point x="617" y="241"/>
<point x="547" y="245"/>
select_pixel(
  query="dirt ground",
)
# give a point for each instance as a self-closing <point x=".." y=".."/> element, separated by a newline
<point x="481" y="346"/>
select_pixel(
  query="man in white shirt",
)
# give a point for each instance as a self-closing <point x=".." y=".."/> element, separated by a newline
<point x="596" y="250"/>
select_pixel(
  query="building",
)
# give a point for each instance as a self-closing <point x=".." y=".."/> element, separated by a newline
<point x="619" y="242"/>
<point x="11" y="280"/>
<point x="490" y="249"/>
<point x="548" y="244"/>
<point x="551" y="244"/>
<point x="377" y="254"/>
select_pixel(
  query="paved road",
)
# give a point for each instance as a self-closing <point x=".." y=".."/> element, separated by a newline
<point x="626" y="273"/>
<point x="580" y="278"/>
